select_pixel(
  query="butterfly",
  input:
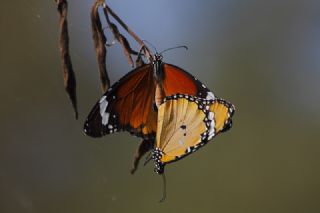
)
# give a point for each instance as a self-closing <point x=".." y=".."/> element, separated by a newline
<point x="185" y="124"/>
<point x="130" y="104"/>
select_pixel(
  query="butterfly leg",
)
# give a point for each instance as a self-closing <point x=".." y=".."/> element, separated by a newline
<point x="144" y="147"/>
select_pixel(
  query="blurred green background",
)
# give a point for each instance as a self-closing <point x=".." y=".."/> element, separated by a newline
<point x="263" y="56"/>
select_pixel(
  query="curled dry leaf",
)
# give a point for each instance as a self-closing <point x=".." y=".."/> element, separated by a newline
<point x="100" y="40"/>
<point x="68" y="73"/>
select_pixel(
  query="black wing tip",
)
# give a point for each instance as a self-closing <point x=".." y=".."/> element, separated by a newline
<point x="92" y="134"/>
<point x="88" y="130"/>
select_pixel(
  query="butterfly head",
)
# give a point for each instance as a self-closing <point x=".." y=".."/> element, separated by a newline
<point x="158" y="57"/>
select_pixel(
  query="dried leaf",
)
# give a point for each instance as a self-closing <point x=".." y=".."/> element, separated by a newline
<point x="99" y="44"/>
<point x="68" y="73"/>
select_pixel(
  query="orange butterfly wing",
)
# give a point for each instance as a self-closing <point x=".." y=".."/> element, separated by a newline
<point x="176" y="80"/>
<point x="127" y="105"/>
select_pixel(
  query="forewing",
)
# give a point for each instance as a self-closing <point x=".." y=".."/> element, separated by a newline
<point x="127" y="105"/>
<point x="177" y="80"/>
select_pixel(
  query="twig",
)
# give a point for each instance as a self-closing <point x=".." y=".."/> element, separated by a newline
<point x="99" y="44"/>
<point x="68" y="73"/>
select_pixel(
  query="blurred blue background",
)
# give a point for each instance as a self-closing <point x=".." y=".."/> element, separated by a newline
<point x="263" y="56"/>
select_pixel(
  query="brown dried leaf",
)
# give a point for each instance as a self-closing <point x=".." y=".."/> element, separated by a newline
<point x="99" y="44"/>
<point x="68" y="73"/>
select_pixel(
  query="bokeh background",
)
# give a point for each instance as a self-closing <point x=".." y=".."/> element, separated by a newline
<point x="263" y="56"/>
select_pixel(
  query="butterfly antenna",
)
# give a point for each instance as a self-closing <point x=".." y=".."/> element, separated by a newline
<point x="148" y="159"/>
<point x="153" y="47"/>
<point x="164" y="192"/>
<point x="177" y="47"/>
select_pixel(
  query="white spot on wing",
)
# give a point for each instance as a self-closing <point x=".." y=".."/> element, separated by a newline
<point x="103" y="98"/>
<point x="210" y="96"/>
<point x="103" y="107"/>
<point x="212" y="124"/>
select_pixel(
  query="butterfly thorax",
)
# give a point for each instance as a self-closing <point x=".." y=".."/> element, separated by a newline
<point x="158" y="68"/>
